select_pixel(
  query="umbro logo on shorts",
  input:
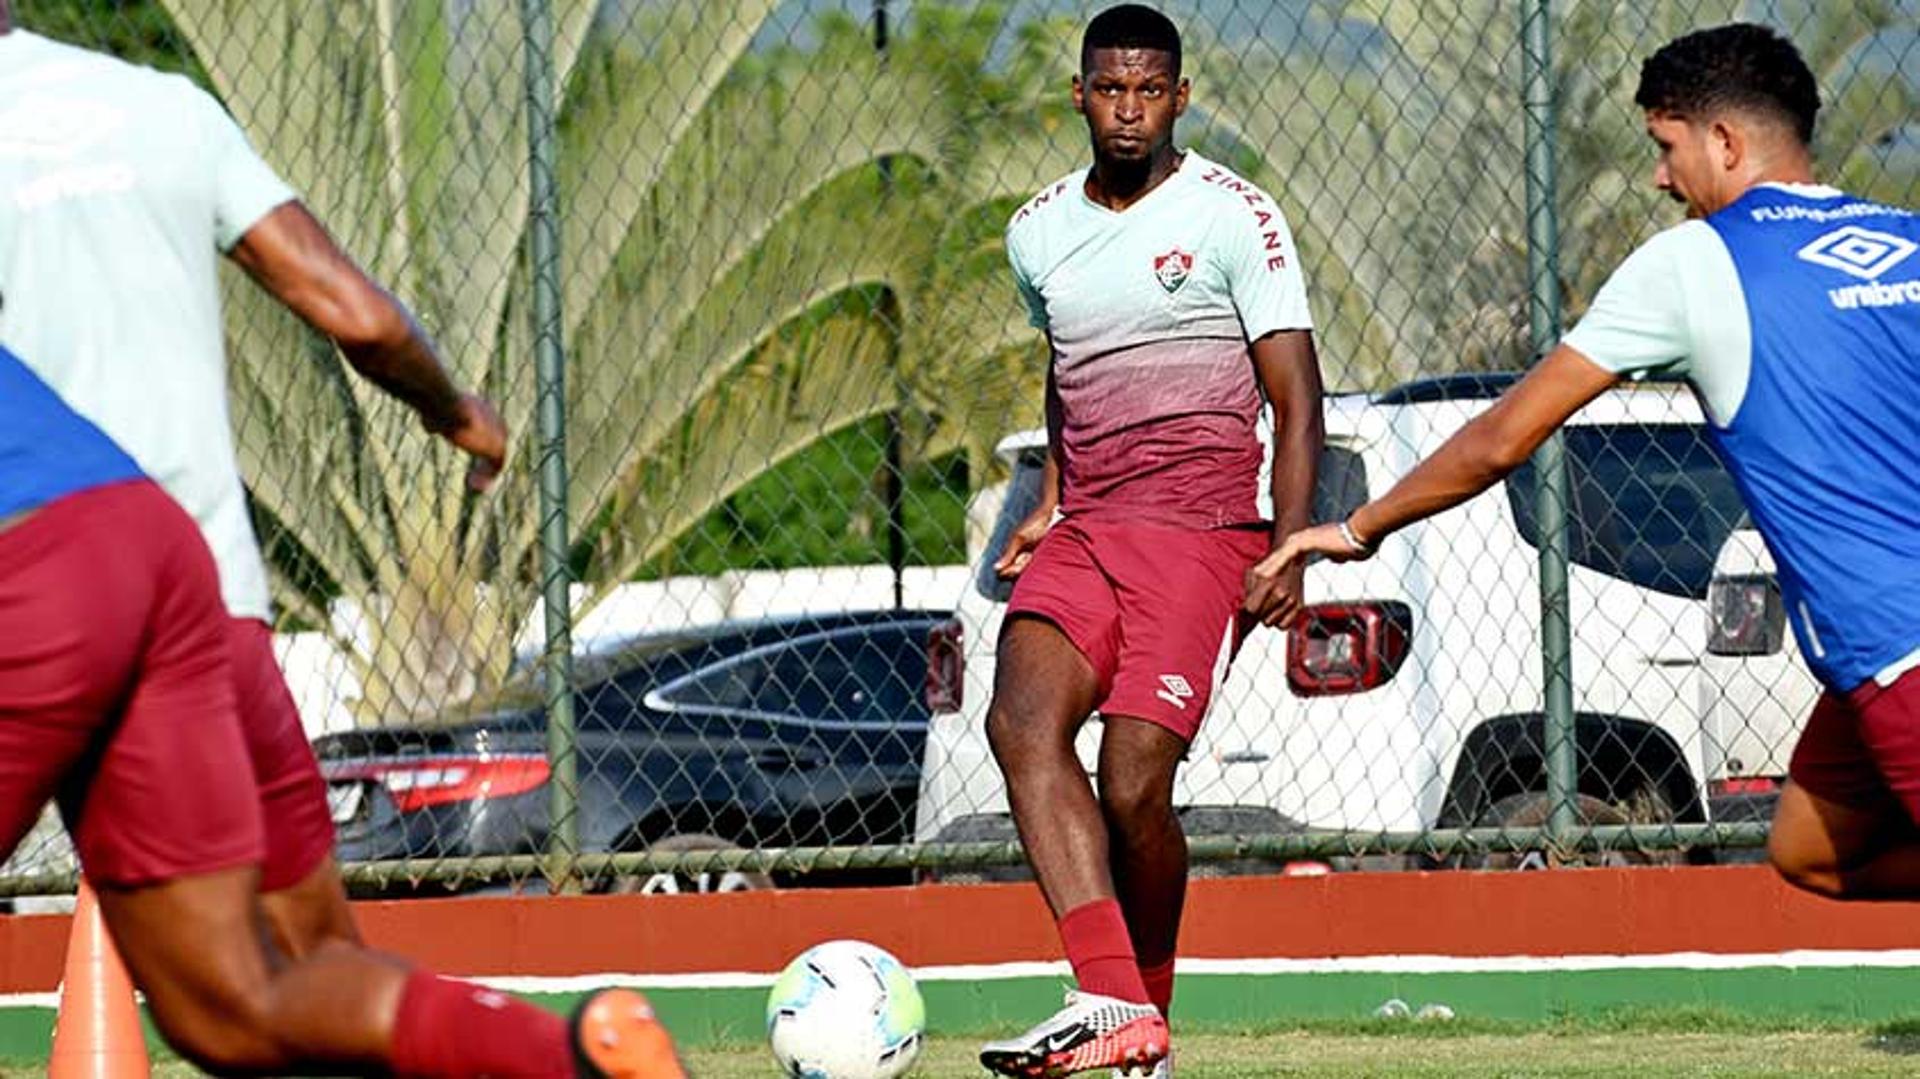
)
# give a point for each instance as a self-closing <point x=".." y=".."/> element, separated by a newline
<point x="1177" y="692"/>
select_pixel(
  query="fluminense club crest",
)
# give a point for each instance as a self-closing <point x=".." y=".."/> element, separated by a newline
<point x="1172" y="269"/>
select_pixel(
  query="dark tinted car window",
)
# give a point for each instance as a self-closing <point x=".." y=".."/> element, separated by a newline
<point x="1340" y="489"/>
<point x="1023" y="495"/>
<point x="1651" y="504"/>
<point x="733" y="684"/>
<point x="855" y="676"/>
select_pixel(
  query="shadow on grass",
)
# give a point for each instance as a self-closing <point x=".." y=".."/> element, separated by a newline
<point x="1899" y="1038"/>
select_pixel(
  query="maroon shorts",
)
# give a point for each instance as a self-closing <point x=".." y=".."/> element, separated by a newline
<point x="115" y="693"/>
<point x="1154" y="608"/>
<point x="293" y="797"/>
<point x="1862" y="748"/>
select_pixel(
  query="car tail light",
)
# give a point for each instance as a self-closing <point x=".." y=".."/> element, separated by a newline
<point x="1340" y="648"/>
<point x="1747" y="616"/>
<point x="1743" y="785"/>
<point x="946" y="667"/>
<point x="418" y="782"/>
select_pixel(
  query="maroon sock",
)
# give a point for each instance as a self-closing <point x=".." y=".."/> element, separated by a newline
<point x="453" y="1028"/>
<point x="1159" y="982"/>
<point x="1101" y="951"/>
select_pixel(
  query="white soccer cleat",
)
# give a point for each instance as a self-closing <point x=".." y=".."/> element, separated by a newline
<point x="1092" y="1031"/>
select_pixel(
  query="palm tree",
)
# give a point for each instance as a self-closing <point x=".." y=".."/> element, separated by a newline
<point x="741" y="278"/>
<point x="718" y="203"/>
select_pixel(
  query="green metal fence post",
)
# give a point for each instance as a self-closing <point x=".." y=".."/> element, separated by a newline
<point x="543" y="235"/>
<point x="896" y="469"/>
<point x="1543" y="275"/>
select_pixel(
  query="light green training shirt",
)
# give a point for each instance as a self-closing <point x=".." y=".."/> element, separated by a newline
<point x="119" y="189"/>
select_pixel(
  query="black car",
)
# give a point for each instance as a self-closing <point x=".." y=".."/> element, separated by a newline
<point x="793" y="732"/>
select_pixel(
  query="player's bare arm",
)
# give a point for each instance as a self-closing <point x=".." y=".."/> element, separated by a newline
<point x="1019" y="549"/>
<point x="1498" y="441"/>
<point x="1289" y="374"/>
<point x="290" y="254"/>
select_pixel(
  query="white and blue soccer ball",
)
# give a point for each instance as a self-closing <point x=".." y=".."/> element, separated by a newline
<point x="845" y="1010"/>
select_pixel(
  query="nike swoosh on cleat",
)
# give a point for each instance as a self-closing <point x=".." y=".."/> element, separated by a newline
<point x="1063" y="1040"/>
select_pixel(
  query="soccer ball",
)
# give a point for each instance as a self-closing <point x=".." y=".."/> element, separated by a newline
<point x="845" y="1010"/>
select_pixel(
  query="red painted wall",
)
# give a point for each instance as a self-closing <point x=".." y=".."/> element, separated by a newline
<point x="1583" y="912"/>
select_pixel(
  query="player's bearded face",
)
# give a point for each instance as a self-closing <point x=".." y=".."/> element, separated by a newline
<point x="1130" y="98"/>
<point x="1684" y="168"/>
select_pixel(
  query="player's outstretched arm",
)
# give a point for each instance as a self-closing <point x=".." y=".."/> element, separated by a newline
<point x="293" y="258"/>
<point x="1495" y="443"/>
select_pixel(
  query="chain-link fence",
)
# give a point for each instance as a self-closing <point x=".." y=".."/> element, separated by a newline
<point x="734" y="273"/>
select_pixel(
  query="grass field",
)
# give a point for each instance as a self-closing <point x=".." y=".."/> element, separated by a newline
<point x="1672" y="1044"/>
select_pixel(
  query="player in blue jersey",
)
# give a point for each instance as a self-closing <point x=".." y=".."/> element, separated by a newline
<point x="136" y="683"/>
<point x="1794" y="309"/>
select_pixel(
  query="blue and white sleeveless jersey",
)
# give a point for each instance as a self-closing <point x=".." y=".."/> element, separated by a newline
<point x="1796" y="314"/>
<point x="47" y="451"/>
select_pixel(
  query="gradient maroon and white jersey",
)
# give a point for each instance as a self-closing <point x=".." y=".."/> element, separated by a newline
<point x="1150" y="312"/>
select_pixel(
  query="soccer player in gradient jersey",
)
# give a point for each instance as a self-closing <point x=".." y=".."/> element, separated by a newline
<point x="1794" y="309"/>
<point x="204" y="816"/>
<point x="1171" y="295"/>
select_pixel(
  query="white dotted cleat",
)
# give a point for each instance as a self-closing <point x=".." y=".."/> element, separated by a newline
<point x="1090" y="1032"/>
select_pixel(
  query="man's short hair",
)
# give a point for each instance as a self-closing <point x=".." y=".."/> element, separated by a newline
<point x="1130" y="26"/>
<point x="1739" y="67"/>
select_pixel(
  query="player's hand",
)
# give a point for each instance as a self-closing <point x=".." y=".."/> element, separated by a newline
<point x="479" y="431"/>
<point x="1276" y="591"/>
<point x="1323" y="540"/>
<point x="1019" y="549"/>
<point x="1274" y="582"/>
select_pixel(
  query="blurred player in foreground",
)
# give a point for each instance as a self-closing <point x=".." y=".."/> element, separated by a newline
<point x="1794" y="309"/>
<point x="136" y="678"/>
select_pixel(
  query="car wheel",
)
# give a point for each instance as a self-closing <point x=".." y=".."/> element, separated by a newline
<point x="1531" y="810"/>
<point x="702" y="882"/>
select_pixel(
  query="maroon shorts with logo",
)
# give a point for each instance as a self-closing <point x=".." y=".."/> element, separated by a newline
<point x="1862" y="748"/>
<point x="293" y="797"/>
<point x="115" y="693"/>
<point x="1154" y="608"/>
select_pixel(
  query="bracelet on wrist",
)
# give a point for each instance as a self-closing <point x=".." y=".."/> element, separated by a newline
<point x="1353" y="541"/>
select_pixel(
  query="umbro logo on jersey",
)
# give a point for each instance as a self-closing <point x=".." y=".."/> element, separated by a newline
<point x="1172" y="269"/>
<point x="1177" y="692"/>
<point x="1861" y="252"/>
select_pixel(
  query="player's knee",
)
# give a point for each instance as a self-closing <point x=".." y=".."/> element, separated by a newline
<point x="1012" y="741"/>
<point x="1000" y="737"/>
<point x="1805" y="870"/>
<point x="1135" y="800"/>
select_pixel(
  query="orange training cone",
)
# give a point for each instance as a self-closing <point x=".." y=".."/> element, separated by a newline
<point x="97" y="1034"/>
